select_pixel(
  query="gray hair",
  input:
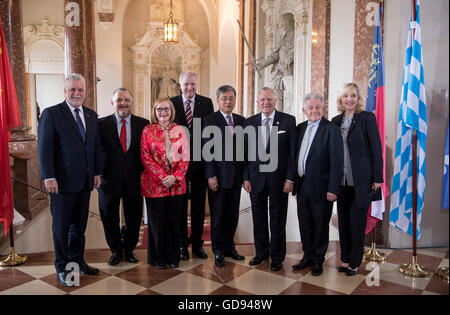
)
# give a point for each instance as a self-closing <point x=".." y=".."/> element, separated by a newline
<point x="268" y="89"/>
<point x="74" y="77"/>
<point x="225" y="88"/>
<point x="313" y="96"/>
<point x="187" y="74"/>
<point x="121" y="89"/>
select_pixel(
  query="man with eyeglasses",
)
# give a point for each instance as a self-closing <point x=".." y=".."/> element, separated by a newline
<point x="120" y="135"/>
<point x="188" y="106"/>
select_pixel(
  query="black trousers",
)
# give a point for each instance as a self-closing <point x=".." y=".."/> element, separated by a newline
<point x="277" y="209"/>
<point x="110" y="214"/>
<point x="70" y="213"/>
<point x="164" y="216"/>
<point x="195" y="179"/>
<point x="314" y="220"/>
<point x="352" y="225"/>
<point x="224" y="209"/>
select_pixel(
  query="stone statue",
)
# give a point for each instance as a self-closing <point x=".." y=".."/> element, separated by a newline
<point x="282" y="59"/>
<point x="169" y="86"/>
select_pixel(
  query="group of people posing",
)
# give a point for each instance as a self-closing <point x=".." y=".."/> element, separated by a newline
<point x="126" y="157"/>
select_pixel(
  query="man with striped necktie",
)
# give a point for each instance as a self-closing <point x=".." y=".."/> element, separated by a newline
<point x="189" y="106"/>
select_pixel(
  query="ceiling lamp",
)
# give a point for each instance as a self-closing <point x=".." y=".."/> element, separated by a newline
<point x="171" y="28"/>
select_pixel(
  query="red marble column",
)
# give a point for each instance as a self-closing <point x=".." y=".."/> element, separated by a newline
<point x="80" y="57"/>
<point x="240" y="84"/>
<point x="320" y="50"/>
<point x="251" y="69"/>
<point x="362" y="51"/>
<point x="11" y="15"/>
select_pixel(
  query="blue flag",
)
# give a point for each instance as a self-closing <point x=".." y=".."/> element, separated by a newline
<point x="445" y="181"/>
<point x="412" y="119"/>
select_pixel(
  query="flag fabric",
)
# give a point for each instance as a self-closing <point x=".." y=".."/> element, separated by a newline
<point x="412" y="119"/>
<point x="375" y="103"/>
<point x="445" y="180"/>
<point x="9" y="118"/>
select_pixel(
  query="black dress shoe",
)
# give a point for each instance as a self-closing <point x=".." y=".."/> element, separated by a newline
<point x="116" y="257"/>
<point x="62" y="279"/>
<point x="174" y="265"/>
<point x="302" y="264"/>
<point x="130" y="257"/>
<point x="316" y="270"/>
<point x="342" y="269"/>
<point x="85" y="269"/>
<point x="235" y="255"/>
<point x="275" y="266"/>
<point x="199" y="253"/>
<point x="160" y="266"/>
<point x="219" y="260"/>
<point x="184" y="253"/>
<point x="351" y="272"/>
<point x="257" y="260"/>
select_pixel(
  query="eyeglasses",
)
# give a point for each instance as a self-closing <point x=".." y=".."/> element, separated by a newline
<point x="165" y="109"/>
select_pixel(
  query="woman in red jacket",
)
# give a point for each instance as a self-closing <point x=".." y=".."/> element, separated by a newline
<point x="165" y="156"/>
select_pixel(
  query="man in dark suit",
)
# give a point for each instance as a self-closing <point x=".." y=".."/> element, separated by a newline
<point x="120" y="135"/>
<point x="224" y="175"/>
<point x="70" y="160"/>
<point x="319" y="160"/>
<point x="274" y="185"/>
<point x="189" y="106"/>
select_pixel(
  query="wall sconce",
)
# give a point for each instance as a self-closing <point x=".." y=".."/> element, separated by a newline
<point x="314" y="39"/>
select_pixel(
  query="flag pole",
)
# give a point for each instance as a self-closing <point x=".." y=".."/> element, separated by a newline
<point x="373" y="254"/>
<point x="12" y="259"/>
<point x="414" y="269"/>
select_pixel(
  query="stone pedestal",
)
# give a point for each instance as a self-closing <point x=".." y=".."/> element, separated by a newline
<point x="28" y="201"/>
<point x="288" y="104"/>
<point x="80" y="58"/>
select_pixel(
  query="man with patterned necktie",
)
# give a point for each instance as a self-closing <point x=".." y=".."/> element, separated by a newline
<point x="224" y="177"/>
<point x="71" y="164"/>
<point x="188" y="106"/>
<point x="120" y="135"/>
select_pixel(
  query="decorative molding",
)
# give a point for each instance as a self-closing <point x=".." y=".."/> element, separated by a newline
<point x="146" y="53"/>
<point x="44" y="32"/>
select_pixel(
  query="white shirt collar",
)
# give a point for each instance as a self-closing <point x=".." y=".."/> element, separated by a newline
<point x="272" y="117"/>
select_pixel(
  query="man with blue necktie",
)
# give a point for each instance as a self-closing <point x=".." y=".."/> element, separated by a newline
<point x="70" y="160"/>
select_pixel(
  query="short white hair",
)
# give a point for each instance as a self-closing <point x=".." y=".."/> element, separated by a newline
<point x="187" y="74"/>
<point x="74" y="77"/>
<point x="316" y="96"/>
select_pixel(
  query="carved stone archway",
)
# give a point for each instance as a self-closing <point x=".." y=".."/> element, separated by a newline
<point x="188" y="59"/>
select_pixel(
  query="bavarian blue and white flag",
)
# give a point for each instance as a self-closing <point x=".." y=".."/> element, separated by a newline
<point x="445" y="180"/>
<point x="412" y="118"/>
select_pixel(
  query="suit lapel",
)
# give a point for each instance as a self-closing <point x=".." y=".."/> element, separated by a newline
<point x="90" y="121"/>
<point x="318" y="135"/>
<point x="134" y="133"/>
<point x="68" y="114"/>
<point x="353" y="124"/>
<point x="114" y="134"/>
<point x="301" y="134"/>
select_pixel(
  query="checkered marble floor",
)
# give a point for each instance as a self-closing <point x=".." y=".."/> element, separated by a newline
<point x="202" y="277"/>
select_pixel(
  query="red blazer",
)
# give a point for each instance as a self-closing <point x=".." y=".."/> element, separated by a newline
<point x="153" y="155"/>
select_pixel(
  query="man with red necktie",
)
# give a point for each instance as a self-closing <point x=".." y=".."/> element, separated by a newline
<point x="120" y="135"/>
<point x="188" y="106"/>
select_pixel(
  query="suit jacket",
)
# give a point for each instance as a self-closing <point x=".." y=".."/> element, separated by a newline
<point x="324" y="163"/>
<point x="203" y="106"/>
<point x="116" y="162"/>
<point x="62" y="153"/>
<point x="228" y="173"/>
<point x="364" y="145"/>
<point x="156" y="166"/>
<point x="285" y="170"/>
